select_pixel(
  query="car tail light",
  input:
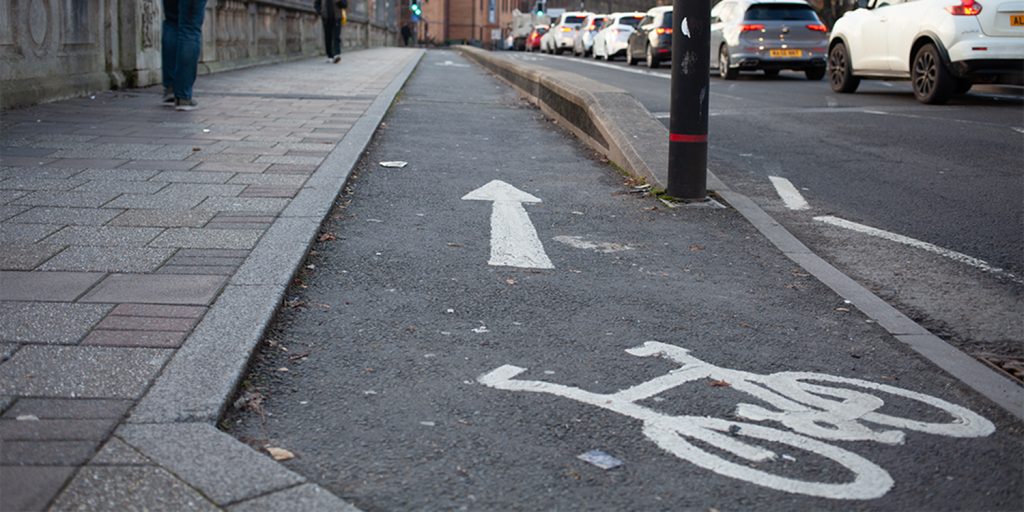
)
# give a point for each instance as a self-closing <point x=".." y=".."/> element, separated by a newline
<point x="966" y="8"/>
<point x="750" y="27"/>
<point x="817" y="28"/>
<point x="661" y="31"/>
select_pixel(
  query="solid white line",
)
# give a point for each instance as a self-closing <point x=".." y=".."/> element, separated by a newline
<point x="932" y="248"/>
<point x="792" y="197"/>
<point x="1018" y="130"/>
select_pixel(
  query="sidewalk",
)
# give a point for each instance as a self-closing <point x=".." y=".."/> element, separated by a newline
<point x="143" y="251"/>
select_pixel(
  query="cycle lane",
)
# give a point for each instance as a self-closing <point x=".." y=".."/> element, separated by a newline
<point x="402" y="313"/>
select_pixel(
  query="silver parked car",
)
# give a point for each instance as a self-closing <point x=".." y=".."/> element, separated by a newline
<point x="612" y="39"/>
<point x="767" y="35"/>
<point x="583" y="40"/>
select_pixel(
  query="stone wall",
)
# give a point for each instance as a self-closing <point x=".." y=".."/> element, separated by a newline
<point x="53" y="49"/>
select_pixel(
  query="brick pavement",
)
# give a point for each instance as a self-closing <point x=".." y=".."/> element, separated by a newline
<point x="121" y="222"/>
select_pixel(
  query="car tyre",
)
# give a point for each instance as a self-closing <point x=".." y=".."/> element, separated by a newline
<point x="630" y="61"/>
<point x="771" y="73"/>
<point x="724" y="71"/>
<point x="840" y="72"/>
<point x="962" y="86"/>
<point x="932" y="82"/>
<point x="652" y="61"/>
<point x="814" y="74"/>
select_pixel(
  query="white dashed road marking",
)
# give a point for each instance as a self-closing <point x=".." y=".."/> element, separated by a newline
<point x="789" y="194"/>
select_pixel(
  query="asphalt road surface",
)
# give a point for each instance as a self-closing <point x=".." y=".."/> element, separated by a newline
<point x="950" y="176"/>
<point x="396" y="371"/>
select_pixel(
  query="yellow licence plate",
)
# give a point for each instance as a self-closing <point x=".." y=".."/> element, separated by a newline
<point x="1017" y="20"/>
<point x="785" y="53"/>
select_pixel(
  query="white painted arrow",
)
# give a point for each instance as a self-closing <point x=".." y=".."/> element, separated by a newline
<point x="514" y="241"/>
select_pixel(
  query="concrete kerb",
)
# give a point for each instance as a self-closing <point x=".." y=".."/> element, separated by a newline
<point x="191" y="393"/>
<point x="638" y="143"/>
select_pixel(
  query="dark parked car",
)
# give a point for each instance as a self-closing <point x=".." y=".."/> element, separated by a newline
<point x="652" y="40"/>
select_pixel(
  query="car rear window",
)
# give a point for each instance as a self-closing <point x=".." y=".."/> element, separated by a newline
<point x="598" y="23"/>
<point x="630" y="20"/>
<point x="666" y="21"/>
<point x="772" y="12"/>
<point x="542" y="30"/>
<point x="574" y="20"/>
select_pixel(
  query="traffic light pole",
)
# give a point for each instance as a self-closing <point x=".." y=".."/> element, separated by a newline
<point x="688" y="122"/>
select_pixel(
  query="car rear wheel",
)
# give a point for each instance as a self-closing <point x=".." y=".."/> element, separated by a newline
<point x="629" y="58"/>
<point x="771" y="73"/>
<point x="840" y="73"/>
<point x="652" y="60"/>
<point x="933" y="83"/>
<point x="724" y="71"/>
<point x="814" y="73"/>
<point x="962" y="86"/>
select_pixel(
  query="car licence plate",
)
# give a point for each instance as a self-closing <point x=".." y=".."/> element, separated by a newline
<point x="1017" y="20"/>
<point x="785" y="53"/>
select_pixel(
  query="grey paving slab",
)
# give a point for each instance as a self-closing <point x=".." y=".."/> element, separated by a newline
<point x="289" y="159"/>
<point x="25" y="233"/>
<point x="164" y="218"/>
<point x="39" y="172"/>
<point x="6" y="212"/>
<point x="209" y="460"/>
<point x="232" y="167"/>
<point x="302" y="497"/>
<point x="156" y="289"/>
<point x="215" y="270"/>
<point x="30" y="488"/>
<point x="87" y="163"/>
<point x="203" y="189"/>
<point x="56" y="430"/>
<point x="269" y="179"/>
<point x="47" y="453"/>
<point x="154" y="339"/>
<point x="33" y="183"/>
<point x="70" y="199"/>
<point x="109" y="259"/>
<point x="45" y="286"/>
<point x="117" y="453"/>
<point x="200" y="238"/>
<point x="66" y="216"/>
<point x="271" y="205"/>
<point x="193" y="177"/>
<point x="20" y="256"/>
<point x="6" y="196"/>
<point x="118" y="174"/>
<point x="81" y="372"/>
<point x="124" y="187"/>
<point x="63" y="408"/>
<point x="103" y="236"/>
<point x="48" y="322"/>
<point x="155" y="201"/>
<point x="129" y="488"/>
<point x="162" y="165"/>
<point x="204" y="372"/>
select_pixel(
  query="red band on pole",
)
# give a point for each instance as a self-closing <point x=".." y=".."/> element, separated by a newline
<point x="678" y="137"/>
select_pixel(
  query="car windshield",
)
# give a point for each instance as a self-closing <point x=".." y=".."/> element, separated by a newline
<point x="630" y="20"/>
<point x="667" y="20"/>
<point x="598" y="23"/>
<point x="573" y="20"/>
<point x="541" y="30"/>
<point x="778" y="12"/>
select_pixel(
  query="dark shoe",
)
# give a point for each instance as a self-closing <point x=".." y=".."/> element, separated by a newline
<point x="336" y="59"/>
<point x="168" y="97"/>
<point x="184" y="105"/>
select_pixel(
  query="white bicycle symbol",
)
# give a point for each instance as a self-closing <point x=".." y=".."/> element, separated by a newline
<point x="812" y="411"/>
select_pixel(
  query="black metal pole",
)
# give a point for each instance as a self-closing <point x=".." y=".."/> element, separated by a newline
<point x="688" y="124"/>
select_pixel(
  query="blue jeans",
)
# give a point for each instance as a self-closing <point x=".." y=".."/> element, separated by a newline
<point x="181" y="42"/>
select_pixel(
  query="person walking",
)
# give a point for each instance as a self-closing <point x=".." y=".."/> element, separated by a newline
<point x="406" y="34"/>
<point x="333" y="14"/>
<point x="181" y="43"/>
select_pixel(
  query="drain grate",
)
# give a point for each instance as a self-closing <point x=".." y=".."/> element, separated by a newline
<point x="1012" y="366"/>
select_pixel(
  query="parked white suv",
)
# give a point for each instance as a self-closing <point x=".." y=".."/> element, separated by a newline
<point x="559" y="38"/>
<point x="942" y="46"/>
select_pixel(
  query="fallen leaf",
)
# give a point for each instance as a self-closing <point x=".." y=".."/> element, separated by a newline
<point x="326" y="237"/>
<point x="844" y="310"/>
<point x="511" y="281"/>
<point x="280" y="454"/>
<point x="451" y="244"/>
<point x="696" y="248"/>
<point x="719" y="384"/>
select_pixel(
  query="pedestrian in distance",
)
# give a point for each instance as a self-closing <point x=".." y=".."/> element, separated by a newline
<point x="181" y="42"/>
<point x="406" y="34"/>
<point x="333" y="14"/>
